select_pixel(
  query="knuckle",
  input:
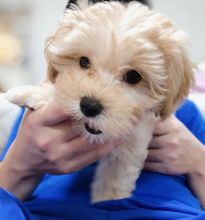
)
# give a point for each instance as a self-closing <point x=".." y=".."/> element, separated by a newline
<point x="175" y="126"/>
<point x="172" y="157"/>
<point x="53" y="158"/>
<point x="173" y="143"/>
<point x="43" y="144"/>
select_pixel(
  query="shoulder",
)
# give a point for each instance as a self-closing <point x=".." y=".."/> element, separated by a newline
<point x="189" y="114"/>
<point x="186" y="110"/>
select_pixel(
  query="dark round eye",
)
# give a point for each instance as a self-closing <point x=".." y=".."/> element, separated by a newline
<point x="84" y="62"/>
<point x="132" y="77"/>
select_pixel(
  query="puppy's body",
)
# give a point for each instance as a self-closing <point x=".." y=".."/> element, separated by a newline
<point x="113" y="68"/>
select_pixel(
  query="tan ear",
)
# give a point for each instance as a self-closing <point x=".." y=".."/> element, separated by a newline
<point x="180" y="79"/>
<point x="51" y="73"/>
<point x="173" y="43"/>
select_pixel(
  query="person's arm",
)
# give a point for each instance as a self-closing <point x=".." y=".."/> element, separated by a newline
<point x="175" y="150"/>
<point x="46" y="143"/>
<point x="196" y="181"/>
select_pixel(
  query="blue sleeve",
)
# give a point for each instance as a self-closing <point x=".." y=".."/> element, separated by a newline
<point x="11" y="208"/>
<point x="192" y="118"/>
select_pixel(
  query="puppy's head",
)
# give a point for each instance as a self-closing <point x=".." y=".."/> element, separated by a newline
<point x="111" y="63"/>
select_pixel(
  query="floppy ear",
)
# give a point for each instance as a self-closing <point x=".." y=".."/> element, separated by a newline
<point x="51" y="73"/>
<point x="180" y="79"/>
<point x="56" y="47"/>
<point x="173" y="43"/>
<point x="57" y="43"/>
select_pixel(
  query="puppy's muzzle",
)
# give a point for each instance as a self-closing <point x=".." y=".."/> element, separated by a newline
<point x="91" y="108"/>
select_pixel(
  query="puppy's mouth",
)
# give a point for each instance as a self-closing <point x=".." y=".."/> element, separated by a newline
<point x="92" y="130"/>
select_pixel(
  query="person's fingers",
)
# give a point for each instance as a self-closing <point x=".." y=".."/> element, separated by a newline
<point x="154" y="156"/>
<point x="65" y="131"/>
<point x="76" y="147"/>
<point x="68" y="165"/>
<point x="155" y="167"/>
<point x="163" y="127"/>
<point x="51" y="114"/>
<point x="160" y="129"/>
<point x="79" y="146"/>
<point x="90" y="157"/>
<point x="158" y="142"/>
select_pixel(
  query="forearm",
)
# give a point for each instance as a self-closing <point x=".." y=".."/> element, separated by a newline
<point x="196" y="179"/>
<point x="197" y="184"/>
<point x="20" y="184"/>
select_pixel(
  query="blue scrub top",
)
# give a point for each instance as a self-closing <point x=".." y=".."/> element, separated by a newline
<point x="67" y="197"/>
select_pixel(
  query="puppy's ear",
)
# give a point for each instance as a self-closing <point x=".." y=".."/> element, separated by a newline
<point x="51" y="73"/>
<point x="180" y="76"/>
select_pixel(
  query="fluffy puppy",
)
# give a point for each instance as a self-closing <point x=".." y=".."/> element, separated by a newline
<point x="117" y="70"/>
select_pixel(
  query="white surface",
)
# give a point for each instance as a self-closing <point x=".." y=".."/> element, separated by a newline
<point x="8" y="114"/>
<point x="188" y="15"/>
<point x="199" y="100"/>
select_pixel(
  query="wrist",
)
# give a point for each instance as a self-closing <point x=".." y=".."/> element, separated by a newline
<point x="198" y="170"/>
<point x="18" y="165"/>
<point x="21" y="184"/>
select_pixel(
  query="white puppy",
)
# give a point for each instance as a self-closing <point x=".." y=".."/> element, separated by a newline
<point x="116" y="69"/>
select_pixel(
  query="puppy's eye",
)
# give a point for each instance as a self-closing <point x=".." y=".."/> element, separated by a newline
<point x="132" y="77"/>
<point x="84" y="63"/>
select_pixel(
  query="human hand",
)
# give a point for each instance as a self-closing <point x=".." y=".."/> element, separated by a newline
<point x="46" y="143"/>
<point x="174" y="149"/>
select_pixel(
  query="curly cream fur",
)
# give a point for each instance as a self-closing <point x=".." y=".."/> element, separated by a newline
<point x="117" y="38"/>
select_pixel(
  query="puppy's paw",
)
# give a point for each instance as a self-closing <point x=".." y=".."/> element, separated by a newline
<point x="32" y="97"/>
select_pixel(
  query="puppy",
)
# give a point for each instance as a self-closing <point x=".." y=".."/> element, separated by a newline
<point x="116" y="70"/>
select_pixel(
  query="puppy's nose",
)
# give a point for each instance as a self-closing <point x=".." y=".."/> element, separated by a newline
<point x="90" y="107"/>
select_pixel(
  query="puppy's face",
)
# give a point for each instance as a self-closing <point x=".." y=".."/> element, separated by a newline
<point x="112" y="63"/>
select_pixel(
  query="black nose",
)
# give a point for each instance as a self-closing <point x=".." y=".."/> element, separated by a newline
<point x="90" y="107"/>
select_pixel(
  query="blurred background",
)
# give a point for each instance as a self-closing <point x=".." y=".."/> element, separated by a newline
<point x="25" y="25"/>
